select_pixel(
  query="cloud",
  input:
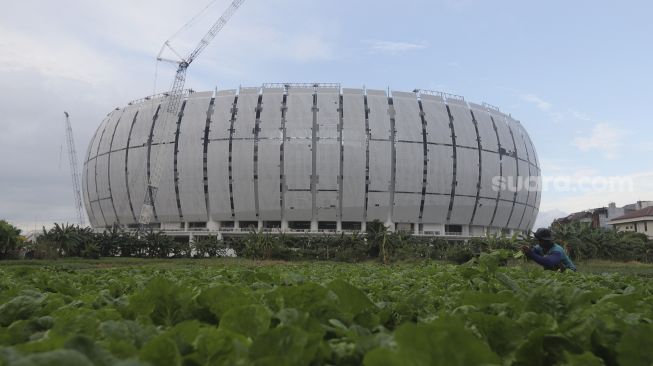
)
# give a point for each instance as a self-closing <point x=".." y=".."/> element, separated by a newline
<point x="603" y="137"/>
<point x="580" y="115"/>
<point x="52" y="57"/>
<point x="459" y="5"/>
<point x="539" y="103"/>
<point x="310" y="47"/>
<point x="645" y="147"/>
<point x="553" y="167"/>
<point x="556" y="114"/>
<point x="396" y="47"/>
<point x="640" y="189"/>
<point x="545" y="218"/>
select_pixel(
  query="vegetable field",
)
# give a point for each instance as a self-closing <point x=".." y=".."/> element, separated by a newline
<point x="239" y="313"/>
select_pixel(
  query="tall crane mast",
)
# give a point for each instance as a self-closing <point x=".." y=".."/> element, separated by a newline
<point x="74" y="171"/>
<point x="171" y="106"/>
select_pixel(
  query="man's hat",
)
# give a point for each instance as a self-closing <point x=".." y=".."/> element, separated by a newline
<point x="543" y="234"/>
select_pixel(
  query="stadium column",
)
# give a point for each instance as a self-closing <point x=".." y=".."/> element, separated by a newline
<point x="234" y="111"/>
<point x="341" y="162"/>
<point x="393" y="160"/>
<point x="129" y="140"/>
<point x="328" y="160"/>
<point x="115" y="171"/>
<point x="410" y="160"/>
<point x="480" y="167"/>
<point x="508" y="168"/>
<point x="282" y="159"/>
<point x="211" y="224"/>
<point x="368" y="137"/>
<point x="95" y="173"/>
<point x="257" y="129"/>
<point x="516" y="156"/>
<point x="269" y="171"/>
<point x="244" y="158"/>
<point x="90" y="184"/>
<point x="116" y="218"/>
<point x="217" y="163"/>
<point x="314" y="131"/>
<point x="378" y="157"/>
<point x="150" y="165"/>
<point x="424" y="165"/>
<point x="496" y="130"/>
<point x="175" y="152"/>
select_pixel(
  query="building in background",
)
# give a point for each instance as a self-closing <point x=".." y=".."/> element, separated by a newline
<point x="601" y="216"/>
<point x="315" y="158"/>
<point x="640" y="221"/>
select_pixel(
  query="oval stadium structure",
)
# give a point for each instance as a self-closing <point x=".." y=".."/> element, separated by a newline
<point x="315" y="158"/>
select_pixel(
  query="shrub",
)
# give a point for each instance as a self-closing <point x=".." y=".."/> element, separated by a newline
<point x="459" y="254"/>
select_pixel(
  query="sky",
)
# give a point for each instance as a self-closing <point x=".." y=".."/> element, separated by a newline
<point x="577" y="74"/>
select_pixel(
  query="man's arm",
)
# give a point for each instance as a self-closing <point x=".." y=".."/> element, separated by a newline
<point x="548" y="261"/>
<point x="527" y="250"/>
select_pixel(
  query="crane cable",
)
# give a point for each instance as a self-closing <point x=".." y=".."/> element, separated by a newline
<point x="183" y="28"/>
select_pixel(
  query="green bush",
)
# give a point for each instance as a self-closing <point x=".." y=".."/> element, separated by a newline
<point x="11" y="243"/>
<point x="583" y="242"/>
<point x="377" y="243"/>
<point x="459" y="254"/>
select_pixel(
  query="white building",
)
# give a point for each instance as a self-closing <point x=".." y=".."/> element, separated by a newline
<point x="640" y="221"/>
<point x="314" y="158"/>
<point x="601" y="216"/>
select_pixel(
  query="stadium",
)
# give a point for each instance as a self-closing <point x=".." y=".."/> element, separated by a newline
<point x="314" y="159"/>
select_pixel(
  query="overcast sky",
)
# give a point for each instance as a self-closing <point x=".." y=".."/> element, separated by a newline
<point x="577" y="74"/>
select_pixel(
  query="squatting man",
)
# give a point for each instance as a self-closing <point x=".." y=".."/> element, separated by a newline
<point x="547" y="253"/>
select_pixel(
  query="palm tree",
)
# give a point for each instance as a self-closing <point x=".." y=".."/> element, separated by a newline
<point x="64" y="238"/>
<point x="377" y="238"/>
<point x="159" y="245"/>
<point x="10" y="239"/>
<point x="259" y="245"/>
<point x="70" y="240"/>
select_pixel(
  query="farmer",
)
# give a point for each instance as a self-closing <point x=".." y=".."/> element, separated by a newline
<point x="548" y="254"/>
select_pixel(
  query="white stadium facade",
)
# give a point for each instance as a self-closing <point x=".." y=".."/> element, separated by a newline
<point x="315" y="158"/>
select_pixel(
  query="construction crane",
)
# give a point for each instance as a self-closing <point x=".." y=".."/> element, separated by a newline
<point x="171" y="106"/>
<point x="74" y="171"/>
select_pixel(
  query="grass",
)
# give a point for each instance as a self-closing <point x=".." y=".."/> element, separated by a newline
<point x="603" y="266"/>
<point x="119" y="262"/>
<point x="591" y="266"/>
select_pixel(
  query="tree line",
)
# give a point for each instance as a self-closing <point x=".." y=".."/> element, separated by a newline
<point x="377" y="243"/>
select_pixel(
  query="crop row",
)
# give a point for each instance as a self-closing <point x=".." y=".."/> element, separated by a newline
<point x="323" y="313"/>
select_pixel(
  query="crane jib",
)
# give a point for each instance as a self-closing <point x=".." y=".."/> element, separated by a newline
<point x="171" y="107"/>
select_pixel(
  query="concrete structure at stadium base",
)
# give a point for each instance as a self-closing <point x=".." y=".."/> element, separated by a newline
<point x="315" y="158"/>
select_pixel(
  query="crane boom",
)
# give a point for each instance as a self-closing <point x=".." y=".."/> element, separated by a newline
<point x="74" y="171"/>
<point x="171" y="108"/>
<point x="215" y="29"/>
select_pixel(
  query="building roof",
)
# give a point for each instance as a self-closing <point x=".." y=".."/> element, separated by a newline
<point x="648" y="211"/>
<point x="576" y="216"/>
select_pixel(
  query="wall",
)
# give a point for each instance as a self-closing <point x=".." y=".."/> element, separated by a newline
<point x="645" y="227"/>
